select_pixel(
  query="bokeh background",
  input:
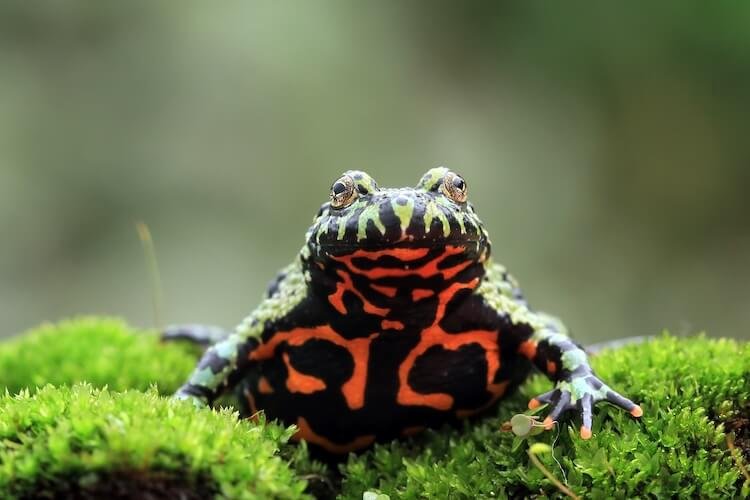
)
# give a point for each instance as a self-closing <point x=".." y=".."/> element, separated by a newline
<point x="605" y="146"/>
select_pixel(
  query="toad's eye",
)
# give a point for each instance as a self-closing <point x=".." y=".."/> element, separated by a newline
<point x="454" y="187"/>
<point x="343" y="192"/>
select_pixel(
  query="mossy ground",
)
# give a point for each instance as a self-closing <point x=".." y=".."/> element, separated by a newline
<point x="83" y="442"/>
<point x="73" y="440"/>
<point x="101" y="351"/>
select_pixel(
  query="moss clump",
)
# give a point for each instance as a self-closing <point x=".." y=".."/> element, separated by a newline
<point x="687" y="388"/>
<point x="101" y="351"/>
<point x="82" y="442"/>
<point x="693" y="392"/>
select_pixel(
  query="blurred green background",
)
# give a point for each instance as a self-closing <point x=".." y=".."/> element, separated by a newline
<point x="605" y="146"/>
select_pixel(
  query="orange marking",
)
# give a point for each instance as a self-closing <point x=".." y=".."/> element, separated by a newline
<point x="399" y="253"/>
<point x="585" y="433"/>
<point x="551" y="367"/>
<point x="299" y="382"/>
<point x="548" y="423"/>
<point x="534" y="404"/>
<point x="388" y="324"/>
<point x="528" y="349"/>
<point x="354" y="389"/>
<point x="305" y="432"/>
<point x="450" y="272"/>
<point x="410" y="431"/>
<point x="264" y="387"/>
<point x="337" y="298"/>
<point x="447" y="295"/>
<point x="451" y="341"/>
<point x="421" y="293"/>
<point x="359" y="349"/>
<point x="434" y="335"/>
<point x="425" y="271"/>
<point x="637" y="411"/>
<point x="388" y="291"/>
<point x="497" y="391"/>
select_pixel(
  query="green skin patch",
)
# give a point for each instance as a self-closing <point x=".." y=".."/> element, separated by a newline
<point x="433" y="212"/>
<point x="403" y="212"/>
<point x="369" y="214"/>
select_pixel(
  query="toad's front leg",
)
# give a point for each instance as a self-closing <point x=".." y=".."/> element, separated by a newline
<point x="577" y="386"/>
<point x="221" y="366"/>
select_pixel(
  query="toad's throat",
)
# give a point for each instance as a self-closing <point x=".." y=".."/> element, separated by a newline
<point x="399" y="262"/>
<point x="394" y="282"/>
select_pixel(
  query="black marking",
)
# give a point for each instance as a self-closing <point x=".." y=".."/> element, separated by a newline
<point x="273" y="285"/>
<point x="585" y="405"/>
<point x="371" y="230"/>
<point x="351" y="228"/>
<point x="452" y="261"/>
<point x="323" y="359"/>
<point x="620" y="401"/>
<point x="213" y="361"/>
<point x="461" y="373"/>
<point x="560" y="404"/>
<point x="391" y="222"/>
<point x="595" y="383"/>
<point x="581" y="371"/>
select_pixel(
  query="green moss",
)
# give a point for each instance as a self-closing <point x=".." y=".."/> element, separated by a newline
<point x="686" y="387"/>
<point x="77" y="440"/>
<point x="102" y="351"/>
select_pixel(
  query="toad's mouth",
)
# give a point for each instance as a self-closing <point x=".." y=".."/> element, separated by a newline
<point x="467" y="242"/>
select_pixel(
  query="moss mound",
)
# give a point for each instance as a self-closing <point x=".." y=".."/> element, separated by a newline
<point x="82" y="442"/>
<point x="101" y="351"/>
<point x="695" y="394"/>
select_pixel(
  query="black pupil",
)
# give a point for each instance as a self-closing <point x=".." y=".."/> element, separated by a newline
<point x="338" y="188"/>
<point x="458" y="183"/>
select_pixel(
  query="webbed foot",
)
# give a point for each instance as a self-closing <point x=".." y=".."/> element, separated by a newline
<point x="581" y="393"/>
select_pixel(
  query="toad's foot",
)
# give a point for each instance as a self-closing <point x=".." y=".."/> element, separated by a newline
<point x="192" y="394"/>
<point x="581" y="393"/>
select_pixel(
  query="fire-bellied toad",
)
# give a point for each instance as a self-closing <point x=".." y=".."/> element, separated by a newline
<point x="391" y="319"/>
